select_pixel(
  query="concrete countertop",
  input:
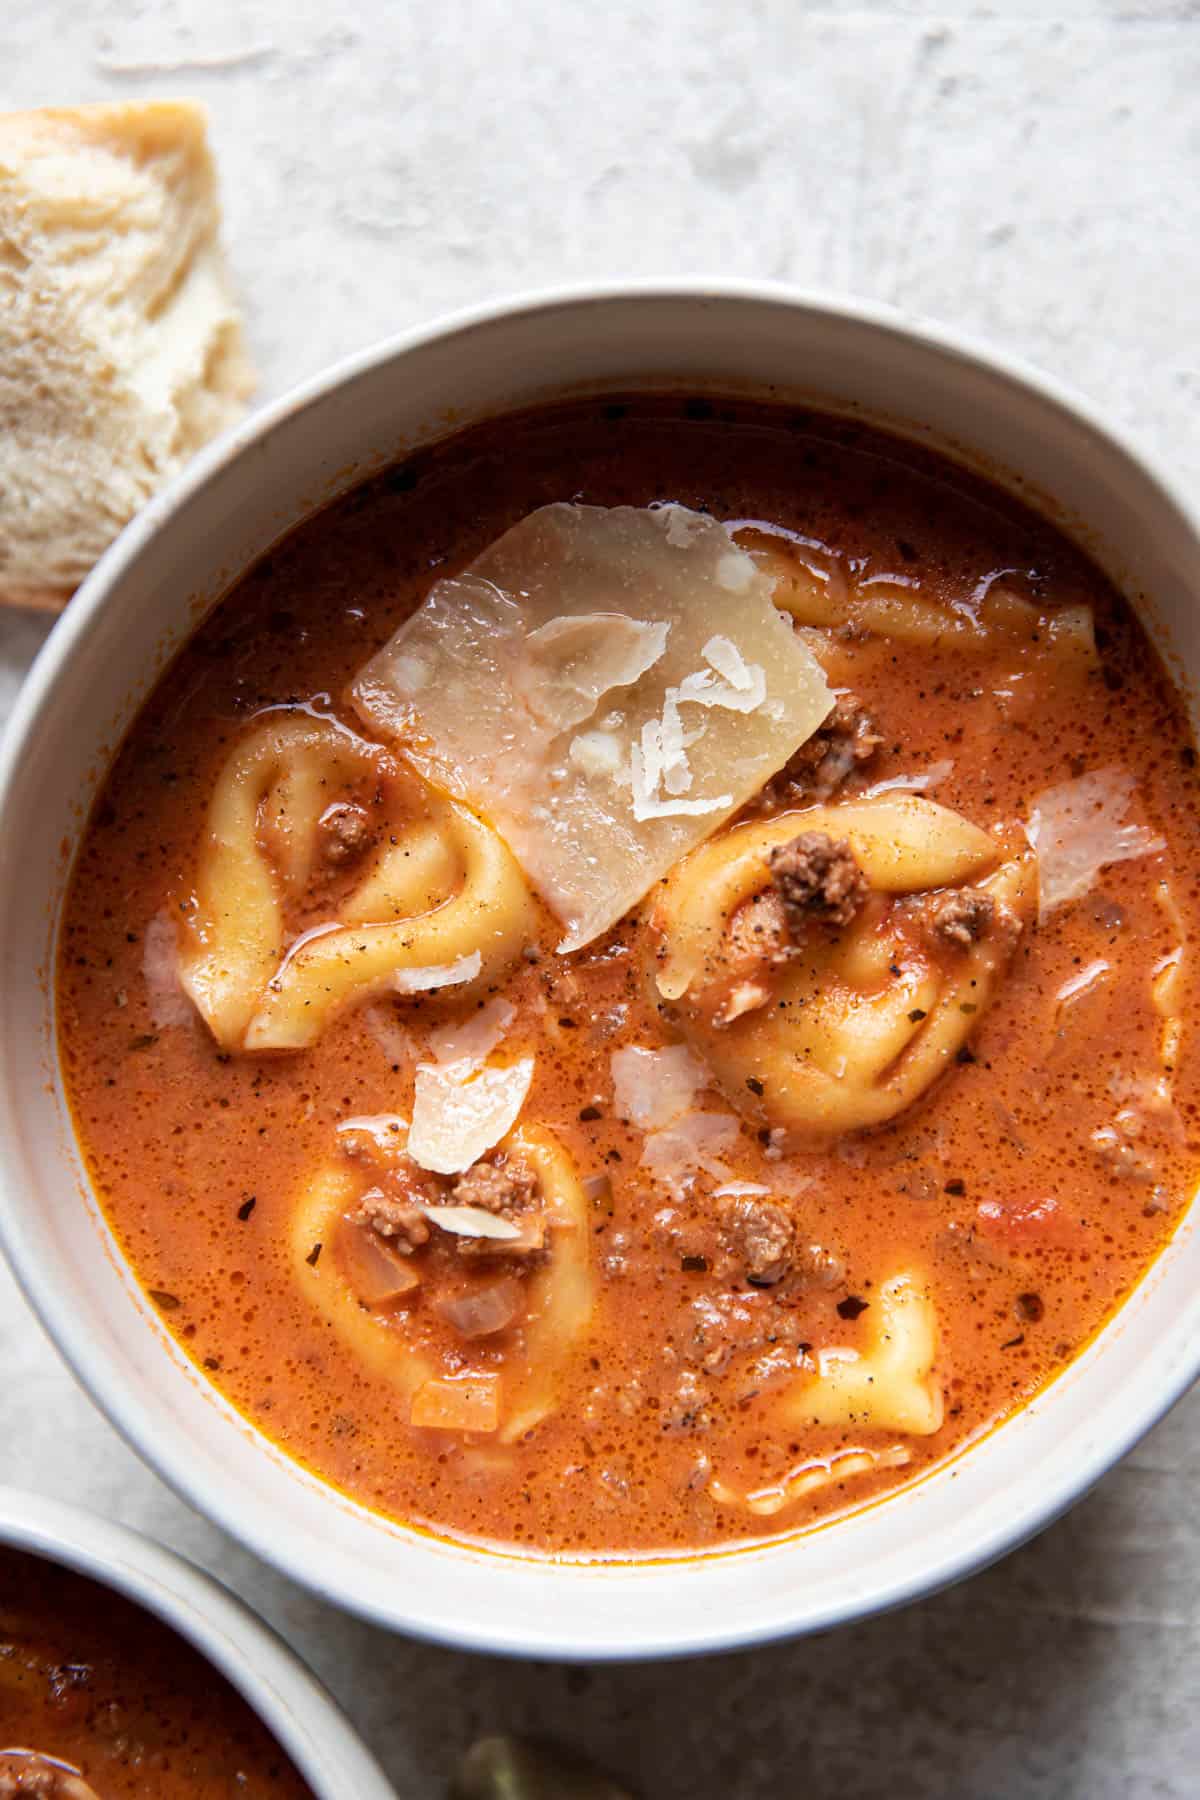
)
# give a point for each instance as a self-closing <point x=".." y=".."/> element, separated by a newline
<point x="1027" y="171"/>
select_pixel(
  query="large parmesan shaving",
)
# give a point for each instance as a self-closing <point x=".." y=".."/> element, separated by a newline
<point x="460" y="1112"/>
<point x="1076" y="829"/>
<point x="605" y="686"/>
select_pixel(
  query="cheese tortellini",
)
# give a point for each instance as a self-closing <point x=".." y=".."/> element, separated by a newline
<point x="892" y="1384"/>
<point x="440" y="899"/>
<point x="843" y="1028"/>
<point x="812" y="586"/>
<point x="559" y="1294"/>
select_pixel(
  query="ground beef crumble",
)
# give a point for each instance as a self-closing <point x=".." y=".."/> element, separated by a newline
<point x="505" y="1185"/>
<point x="502" y="1185"/>
<point x="762" y="1235"/>
<point x="345" y="832"/>
<point x="817" y="877"/>
<point x="841" y="745"/>
<point x="962" y="918"/>
<point x="398" y="1219"/>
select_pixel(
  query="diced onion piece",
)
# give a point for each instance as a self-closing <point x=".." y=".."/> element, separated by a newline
<point x="471" y="1221"/>
<point x="457" y="1403"/>
<point x="167" y="1003"/>
<point x="438" y="975"/>
<point x="655" y="1087"/>
<point x="460" y="1113"/>
<point x="1076" y="829"/>
<point x="485" y="1310"/>
<point x="572" y="596"/>
<point x="377" y="1273"/>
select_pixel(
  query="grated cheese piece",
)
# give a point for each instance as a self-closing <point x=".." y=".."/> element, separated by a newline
<point x="605" y="686"/>
<point x="461" y="1111"/>
<point x="1076" y="829"/>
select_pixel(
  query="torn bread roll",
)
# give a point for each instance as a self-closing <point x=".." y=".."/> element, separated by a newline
<point x="121" y="347"/>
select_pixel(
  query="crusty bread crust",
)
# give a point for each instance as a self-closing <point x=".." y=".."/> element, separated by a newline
<point x="47" y="600"/>
<point x="121" y="347"/>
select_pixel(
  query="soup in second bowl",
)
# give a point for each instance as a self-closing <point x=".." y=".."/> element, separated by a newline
<point x="101" y="1701"/>
<point x="631" y="987"/>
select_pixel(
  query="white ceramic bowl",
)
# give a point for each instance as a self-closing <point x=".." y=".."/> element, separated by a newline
<point x="272" y="1680"/>
<point x="138" y="604"/>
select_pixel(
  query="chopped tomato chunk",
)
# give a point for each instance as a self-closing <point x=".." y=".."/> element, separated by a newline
<point x="1030" y="1222"/>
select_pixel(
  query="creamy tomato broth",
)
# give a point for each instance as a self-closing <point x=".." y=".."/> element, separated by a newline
<point x="635" y="1083"/>
<point x="99" y="1701"/>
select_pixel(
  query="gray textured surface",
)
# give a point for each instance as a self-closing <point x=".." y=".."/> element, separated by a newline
<point x="1028" y="171"/>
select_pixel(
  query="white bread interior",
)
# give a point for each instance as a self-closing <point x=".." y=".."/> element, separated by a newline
<point x="121" y="348"/>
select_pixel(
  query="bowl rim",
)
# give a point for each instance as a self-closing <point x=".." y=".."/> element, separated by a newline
<point x="277" y="1686"/>
<point x="527" y="1637"/>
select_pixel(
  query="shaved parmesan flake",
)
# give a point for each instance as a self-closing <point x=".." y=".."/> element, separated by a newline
<point x="740" y="1189"/>
<point x="438" y="975"/>
<point x="471" y="1221"/>
<point x="910" y="784"/>
<point x="1076" y="830"/>
<point x="654" y="1087"/>
<point x="656" y="1090"/>
<point x="741" y="688"/>
<point x="460" y="1112"/>
<point x="679" y="1152"/>
<point x="474" y="1040"/>
<point x="605" y="686"/>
